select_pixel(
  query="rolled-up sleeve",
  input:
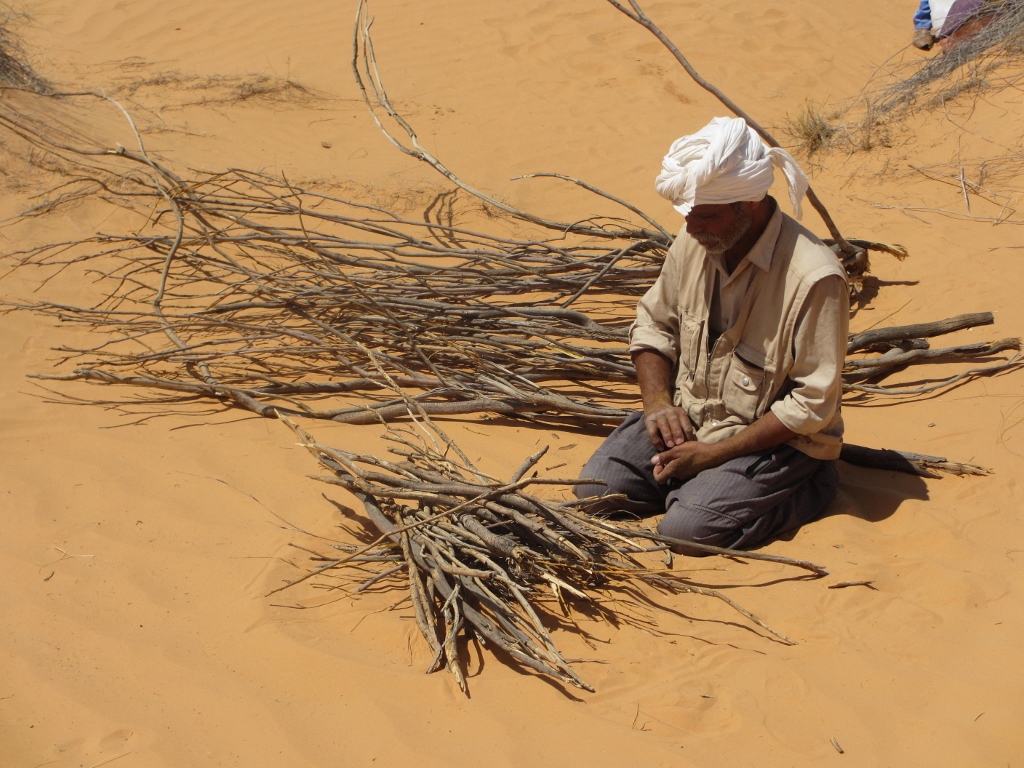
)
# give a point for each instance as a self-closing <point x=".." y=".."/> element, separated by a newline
<point x="819" y="351"/>
<point x="657" y="320"/>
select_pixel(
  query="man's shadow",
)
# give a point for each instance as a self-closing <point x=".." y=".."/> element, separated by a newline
<point x="873" y="494"/>
<point x="870" y="494"/>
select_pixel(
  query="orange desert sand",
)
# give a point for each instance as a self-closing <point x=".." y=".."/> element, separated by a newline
<point x="136" y="559"/>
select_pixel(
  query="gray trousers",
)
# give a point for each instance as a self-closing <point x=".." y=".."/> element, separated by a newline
<point x="738" y="505"/>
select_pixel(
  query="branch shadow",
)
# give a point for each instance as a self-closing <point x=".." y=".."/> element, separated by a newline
<point x="871" y="287"/>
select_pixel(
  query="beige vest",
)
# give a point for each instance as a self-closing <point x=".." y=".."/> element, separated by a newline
<point x="735" y="382"/>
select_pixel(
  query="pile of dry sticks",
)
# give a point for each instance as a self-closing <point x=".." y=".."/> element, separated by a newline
<point x="488" y="560"/>
<point x="247" y="290"/>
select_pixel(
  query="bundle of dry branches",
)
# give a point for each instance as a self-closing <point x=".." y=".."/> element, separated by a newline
<point x="276" y="298"/>
<point x="488" y="560"/>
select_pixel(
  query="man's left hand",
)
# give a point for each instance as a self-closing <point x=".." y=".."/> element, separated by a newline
<point x="690" y="458"/>
<point x="684" y="461"/>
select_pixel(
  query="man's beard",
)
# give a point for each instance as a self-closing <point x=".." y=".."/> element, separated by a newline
<point x="719" y="244"/>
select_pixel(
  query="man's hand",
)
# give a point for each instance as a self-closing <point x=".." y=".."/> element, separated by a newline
<point x="690" y="458"/>
<point x="685" y="460"/>
<point x="668" y="426"/>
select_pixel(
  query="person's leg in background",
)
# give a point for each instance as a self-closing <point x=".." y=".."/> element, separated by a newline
<point x="924" y="38"/>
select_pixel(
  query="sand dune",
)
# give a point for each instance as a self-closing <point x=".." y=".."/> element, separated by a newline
<point x="136" y="630"/>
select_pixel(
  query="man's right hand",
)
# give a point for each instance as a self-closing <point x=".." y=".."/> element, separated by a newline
<point x="668" y="426"/>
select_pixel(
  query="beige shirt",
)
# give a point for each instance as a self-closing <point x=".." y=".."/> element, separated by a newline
<point x="806" y="395"/>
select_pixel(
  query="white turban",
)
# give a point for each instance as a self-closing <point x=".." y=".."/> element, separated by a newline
<point x="725" y="162"/>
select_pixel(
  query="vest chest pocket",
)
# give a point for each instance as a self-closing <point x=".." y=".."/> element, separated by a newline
<point x="691" y="332"/>
<point x="744" y="384"/>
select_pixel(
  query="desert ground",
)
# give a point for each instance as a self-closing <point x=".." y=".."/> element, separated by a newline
<point x="138" y="553"/>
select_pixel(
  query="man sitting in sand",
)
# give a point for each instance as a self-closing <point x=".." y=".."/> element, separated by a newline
<point x="738" y="349"/>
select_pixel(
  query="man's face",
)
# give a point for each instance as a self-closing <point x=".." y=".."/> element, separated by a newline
<point x="718" y="227"/>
